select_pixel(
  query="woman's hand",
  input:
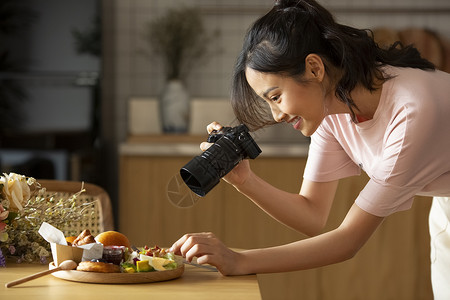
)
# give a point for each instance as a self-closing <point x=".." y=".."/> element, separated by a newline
<point x="241" y="172"/>
<point x="209" y="250"/>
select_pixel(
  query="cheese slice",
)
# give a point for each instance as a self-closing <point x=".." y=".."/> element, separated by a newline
<point x="157" y="263"/>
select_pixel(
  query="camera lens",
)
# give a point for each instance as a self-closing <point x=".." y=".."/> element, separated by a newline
<point x="199" y="176"/>
<point x="203" y="172"/>
<point x="231" y="145"/>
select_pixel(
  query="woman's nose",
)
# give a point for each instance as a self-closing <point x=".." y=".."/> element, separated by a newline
<point x="278" y="115"/>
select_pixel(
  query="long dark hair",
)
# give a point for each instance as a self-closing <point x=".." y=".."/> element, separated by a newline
<point x="279" y="42"/>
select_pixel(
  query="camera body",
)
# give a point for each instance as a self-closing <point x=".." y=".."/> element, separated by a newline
<point x="230" y="146"/>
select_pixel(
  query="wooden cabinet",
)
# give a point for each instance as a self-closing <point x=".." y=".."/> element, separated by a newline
<point x="394" y="264"/>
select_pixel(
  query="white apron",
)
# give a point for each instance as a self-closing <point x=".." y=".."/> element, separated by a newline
<point x="440" y="247"/>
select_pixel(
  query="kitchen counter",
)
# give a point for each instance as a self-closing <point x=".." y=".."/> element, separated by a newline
<point x="180" y="145"/>
<point x="195" y="283"/>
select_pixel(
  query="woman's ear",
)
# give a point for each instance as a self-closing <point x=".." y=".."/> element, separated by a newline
<point x="314" y="67"/>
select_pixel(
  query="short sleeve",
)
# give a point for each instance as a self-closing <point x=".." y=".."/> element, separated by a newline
<point x="327" y="160"/>
<point x="382" y="199"/>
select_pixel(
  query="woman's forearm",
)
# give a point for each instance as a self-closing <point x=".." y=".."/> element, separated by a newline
<point x="321" y="250"/>
<point x="328" y="248"/>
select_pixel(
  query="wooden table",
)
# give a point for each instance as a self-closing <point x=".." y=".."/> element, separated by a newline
<point x="195" y="283"/>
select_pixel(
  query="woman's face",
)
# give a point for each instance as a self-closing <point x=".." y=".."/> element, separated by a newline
<point x="299" y="104"/>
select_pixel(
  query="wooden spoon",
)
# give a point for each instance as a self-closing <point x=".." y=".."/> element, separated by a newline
<point x="65" y="265"/>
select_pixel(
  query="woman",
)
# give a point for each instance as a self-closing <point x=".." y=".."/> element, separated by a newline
<point x="385" y="111"/>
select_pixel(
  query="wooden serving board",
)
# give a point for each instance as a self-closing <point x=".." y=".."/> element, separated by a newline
<point x="123" y="278"/>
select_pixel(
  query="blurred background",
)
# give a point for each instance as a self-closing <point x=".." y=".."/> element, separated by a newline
<point x="75" y="76"/>
<point x="81" y="86"/>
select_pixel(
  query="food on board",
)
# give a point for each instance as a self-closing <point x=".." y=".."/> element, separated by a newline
<point x="98" y="266"/>
<point x="70" y="239"/>
<point x="113" y="238"/>
<point x="149" y="259"/>
<point x="84" y="238"/>
<point x="118" y="255"/>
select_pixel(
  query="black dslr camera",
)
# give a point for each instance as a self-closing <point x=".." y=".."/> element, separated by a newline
<point x="231" y="145"/>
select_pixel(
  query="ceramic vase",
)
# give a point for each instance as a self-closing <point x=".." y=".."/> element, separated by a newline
<point x="174" y="105"/>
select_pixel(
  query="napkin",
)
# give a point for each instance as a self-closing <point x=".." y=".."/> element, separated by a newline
<point x="61" y="251"/>
<point x="52" y="234"/>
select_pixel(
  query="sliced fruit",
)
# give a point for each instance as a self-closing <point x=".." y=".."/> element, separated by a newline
<point x="129" y="270"/>
<point x="143" y="266"/>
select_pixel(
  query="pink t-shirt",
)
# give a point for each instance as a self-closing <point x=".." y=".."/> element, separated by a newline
<point x="405" y="148"/>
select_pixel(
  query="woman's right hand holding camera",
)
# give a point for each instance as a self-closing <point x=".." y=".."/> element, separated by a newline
<point x="240" y="172"/>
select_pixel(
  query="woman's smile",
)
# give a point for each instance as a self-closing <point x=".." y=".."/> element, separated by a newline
<point x="296" y="122"/>
<point x="289" y="99"/>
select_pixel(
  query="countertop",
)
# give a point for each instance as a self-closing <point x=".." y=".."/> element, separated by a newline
<point x="183" y="145"/>
<point x="195" y="283"/>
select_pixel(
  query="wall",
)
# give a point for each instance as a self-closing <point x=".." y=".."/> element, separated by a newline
<point x="136" y="75"/>
<point x="127" y="73"/>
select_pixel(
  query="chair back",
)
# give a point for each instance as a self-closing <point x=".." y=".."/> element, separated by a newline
<point x="98" y="220"/>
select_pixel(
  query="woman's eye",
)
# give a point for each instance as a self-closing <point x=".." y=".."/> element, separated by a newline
<point x="274" y="98"/>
